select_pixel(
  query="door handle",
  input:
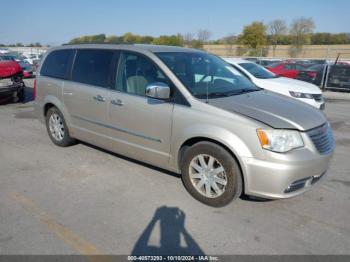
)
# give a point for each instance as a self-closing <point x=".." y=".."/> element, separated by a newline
<point x="117" y="102"/>
<point x="99" y="98"/>
<point x="67" y="94"/>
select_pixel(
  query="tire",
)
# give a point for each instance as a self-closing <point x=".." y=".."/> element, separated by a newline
<point x="20" y="95"/>
<point x="224" y="162"/>
<point x="15" y="98"/>
<point x="60" y="136"/>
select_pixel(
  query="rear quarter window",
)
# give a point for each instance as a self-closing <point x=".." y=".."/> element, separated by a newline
<point x="57" y="64"/>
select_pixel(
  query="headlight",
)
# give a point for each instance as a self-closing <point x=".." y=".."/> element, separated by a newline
<point x="301" y="95"/>
<point x="279" y="140"/>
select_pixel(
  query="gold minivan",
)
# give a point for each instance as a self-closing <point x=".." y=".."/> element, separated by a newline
<point x="187" y="111"/>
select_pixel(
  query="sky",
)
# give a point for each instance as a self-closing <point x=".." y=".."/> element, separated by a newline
<point x="57" y="21"/>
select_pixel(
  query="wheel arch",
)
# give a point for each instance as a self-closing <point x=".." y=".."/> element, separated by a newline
<point x="196" y="139"/>
<point x="52" y="101"/>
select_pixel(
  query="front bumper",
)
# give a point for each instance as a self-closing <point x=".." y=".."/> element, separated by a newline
<point x="285" y="177"/>
<point x="7" y="91"/>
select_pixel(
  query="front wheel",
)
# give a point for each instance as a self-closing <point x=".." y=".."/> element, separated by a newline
<point x="211" y="174"/>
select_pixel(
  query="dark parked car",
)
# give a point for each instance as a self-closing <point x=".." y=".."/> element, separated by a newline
<point x="313" y="74"/>
<point x="339" y="77"/>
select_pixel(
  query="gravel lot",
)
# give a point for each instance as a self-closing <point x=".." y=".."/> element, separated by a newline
<point x="84" y="200"/>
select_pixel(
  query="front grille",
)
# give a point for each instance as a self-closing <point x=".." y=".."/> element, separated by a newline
<point x="318" y="98"/>
<point x="322" y="138"/>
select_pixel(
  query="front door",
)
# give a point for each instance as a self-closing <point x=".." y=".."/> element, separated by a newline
<point x="141" y="126"/>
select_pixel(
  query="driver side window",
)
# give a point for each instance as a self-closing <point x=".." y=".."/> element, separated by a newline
<point x="135" y="72"/>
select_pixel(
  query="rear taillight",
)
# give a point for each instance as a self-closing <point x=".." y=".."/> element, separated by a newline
<point x="312" y="74"/>
<point x="34" y="90"/>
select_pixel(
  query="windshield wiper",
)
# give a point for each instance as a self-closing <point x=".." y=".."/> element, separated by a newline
<point x="244" y="91"/>
<point x="226" y="94"/>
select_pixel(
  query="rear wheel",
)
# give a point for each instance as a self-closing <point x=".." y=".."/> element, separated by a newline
<point x="57" y="128"/>
<point x="211" y="174"/>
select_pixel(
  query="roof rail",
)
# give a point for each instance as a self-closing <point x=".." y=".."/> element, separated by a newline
<point x="99" y="43"/>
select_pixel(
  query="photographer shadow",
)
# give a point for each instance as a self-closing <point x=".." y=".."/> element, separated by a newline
<point x="172" y="227"/>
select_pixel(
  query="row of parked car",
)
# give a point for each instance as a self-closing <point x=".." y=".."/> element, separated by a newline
<point x="27" y="61"/>
<point x="14" y="67"/>
<point x="308" y="70"/>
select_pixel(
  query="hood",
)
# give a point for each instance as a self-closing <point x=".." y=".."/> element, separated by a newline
<point x="9" y="68"/>
<point x="272" y="109"/>
<point x="284" y="84"/>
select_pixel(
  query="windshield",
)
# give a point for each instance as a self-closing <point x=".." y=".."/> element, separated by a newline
<point x="315" y="67"/>
<point x="8" y="57"/>
<point x="205" y="75"/>
<point x="257" y="71"/>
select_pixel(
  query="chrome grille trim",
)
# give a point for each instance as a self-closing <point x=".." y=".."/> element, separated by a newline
<point x="322" y="138"/>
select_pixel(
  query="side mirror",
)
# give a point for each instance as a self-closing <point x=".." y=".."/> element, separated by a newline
<point x="158" y="90"/>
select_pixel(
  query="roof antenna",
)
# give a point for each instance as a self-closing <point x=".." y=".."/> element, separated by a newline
<point x="207" y="85"/>
<point x="207" y="100"/>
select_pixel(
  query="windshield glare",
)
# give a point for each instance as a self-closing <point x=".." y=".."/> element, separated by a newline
<point x="206" y="75"/>
<point x="257" y="71"/>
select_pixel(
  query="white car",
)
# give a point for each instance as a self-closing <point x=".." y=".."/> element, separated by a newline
<point x="30" y="57"/>
<point x="300" y="90"/>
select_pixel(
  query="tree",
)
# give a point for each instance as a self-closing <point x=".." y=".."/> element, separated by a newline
<point x="113" y="39"/>
<point x="131" y="38"/>
<point x="147" y="39"/>
<point x="300" y="31"/>
<point x="254" y="37"/>
<point x="89" y="39"/>
<point x="175" y="40"/>
<point x="203" y="35"/>
<point x="277" y="28"/>
<point x="188" y="38"/>
<point x="228" y="40"/>
<point x="329" y="39"/>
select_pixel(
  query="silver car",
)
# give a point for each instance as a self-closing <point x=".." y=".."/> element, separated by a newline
<point x="186" y="111"/>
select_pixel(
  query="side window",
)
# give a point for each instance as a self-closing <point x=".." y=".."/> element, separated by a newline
<point x="135" y="72"/>
<point x="92" y="67"/>
<point x="299" y="67"/>
<point x="57" y="64"/>
<point x="288" y="67"/>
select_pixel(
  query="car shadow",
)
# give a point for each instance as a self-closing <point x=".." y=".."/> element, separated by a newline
<point x="167" y="172"/>
<point x="254" y="198"/>
<point x="28" y="95"/>
<point x="172" y="230"/>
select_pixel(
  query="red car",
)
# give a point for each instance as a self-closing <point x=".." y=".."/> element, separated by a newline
<point x="290" y="70"/>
